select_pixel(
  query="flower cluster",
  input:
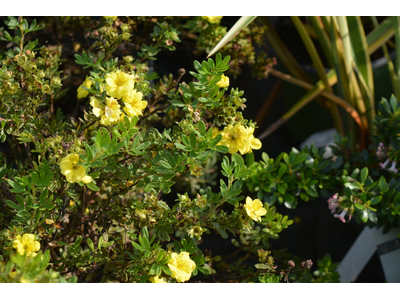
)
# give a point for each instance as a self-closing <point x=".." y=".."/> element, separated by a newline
<point x="386" y="153"/>
<point x="26" y="245"/>
<point x="382" y="151"/>
<point x="72" y="171"/>
<point x="334" y="203"/>
<point x="238" y="138"/>
<point x="392" y="167"/>
<point x="255" y="209"/>
<point x="181" y="266"/>
<point x="119" y="86"/>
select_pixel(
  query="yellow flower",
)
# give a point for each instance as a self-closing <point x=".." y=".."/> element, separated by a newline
<point x="239" y="138"/>
<point x="129" y="183"/>
<point x="72" y="171"/>
<point x="254" y="209"/>
<point x="111" y="18"/>
<point x="213" y="19"/>
<point x="224" y="82"/>
<point x="98" y="109"/>
<point x="112" y="112"/>
<point x="134" y="104"/>
<point x="253" y="143"/>
<point x="119" y="84"/>
<point x="12" y="274"/>
<point x="81" y="92"/>
<point x="215" y="132"/>
<point x="156" y="279"/>
<point x="26" y="244"/>
<point x="181" y="266"/>
<point x="23" y="280"/>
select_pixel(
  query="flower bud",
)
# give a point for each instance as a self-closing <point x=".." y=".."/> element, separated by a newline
<point x="306" y="264"/>
<point x="181" y="71"/>
<point x="41" y="74"/>
<point x="8" y="74"/>
<point x="56" y="80"/>
<point x="125" y="27"/>
<point x="128" y="59"/>
<point x="291" y="264"/>
<point x="46" y="89"/>
<point x="126" y="36"/>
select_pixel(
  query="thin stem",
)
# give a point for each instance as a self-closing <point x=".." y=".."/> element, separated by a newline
<point x="324" y="93"/>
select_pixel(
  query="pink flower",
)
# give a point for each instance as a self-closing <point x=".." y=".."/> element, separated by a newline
<point x="384" y="165"/>
<point x="333" y="203"/>
<point x="393" y="167"/>
<point x="382" y="151"/>
<point x="341" y="216"/>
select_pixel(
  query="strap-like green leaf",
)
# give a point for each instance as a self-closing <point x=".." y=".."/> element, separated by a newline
<point x="239" y="25"/>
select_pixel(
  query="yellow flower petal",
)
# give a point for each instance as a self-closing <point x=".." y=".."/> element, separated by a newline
<point x="87" y="179"/>
<point x="181" y="266"/>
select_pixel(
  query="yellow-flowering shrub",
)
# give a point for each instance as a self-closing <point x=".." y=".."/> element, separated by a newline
<point x="125" y="184"/>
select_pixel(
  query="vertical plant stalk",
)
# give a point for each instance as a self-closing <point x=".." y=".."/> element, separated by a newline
<point x="284" y="53"/>
<point x="393" y="76"/>
<point x="362" y="68"/>
<point x="397" y="41"/>
<point x="320" y="69"/>
<point x="345" y="89"/>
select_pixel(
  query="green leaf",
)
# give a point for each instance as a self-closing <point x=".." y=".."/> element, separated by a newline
<point x="364" y="174"/>
<point x="300" y="158"/>
<point x="61" y="243"/>
<point x="108" y="244"/>
<point x="290" y="201"/>
<point x="360" y="206"/>
<point x="382" y="183"/>
<point x="372" y="216"/>
<point x="193" y="140"/>
<point x="239" y="25"/>
<point x="144" y="242"/>
<point x="377" y="199"/>
<point x="166" y="270"/>
<point x="100" y="243"/>
<point x="155" y="269"/>
<point x="90" y="244"/>
<point x="282" y="170"/>
<point x="145" y="232"/>
<point x="222" y="232"/>
<point x="205" y="271"/>
<point x="137" y="246"/>
<point x="222" y="148"/>
<point x="202" y="128"/>
<point x="160" y="255"/>
<point x="238" y="159"/>
<point x="12" y="204"/>
<point x="78" y="241"/>
<point x="164" y="164"/>
<point x="177" y="103"/>
<point x="92" y="186"/>
<point x="364" y="216"/>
